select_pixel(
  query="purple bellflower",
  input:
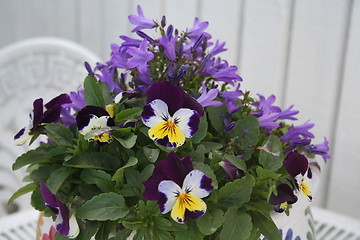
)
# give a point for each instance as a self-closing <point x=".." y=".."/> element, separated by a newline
<point x="171" y="114"/>
<point x="295" y="132"/>
<point x="141" y="21"/>
<point x="178" y="188"/>
<point x="207" y="97"/>
<point x="64" y="224"/>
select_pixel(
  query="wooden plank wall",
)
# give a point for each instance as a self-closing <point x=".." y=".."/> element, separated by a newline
<point x="306" y="52"/>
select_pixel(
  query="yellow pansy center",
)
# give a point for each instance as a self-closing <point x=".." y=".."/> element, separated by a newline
<point x="170" y="129"/>
<point x="305" y="188"/>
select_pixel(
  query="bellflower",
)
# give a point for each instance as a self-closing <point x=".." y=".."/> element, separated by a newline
<point x="320" y="149"/>
<point x="169" y="43"/>
<point x="297" y="166"/>
<point x="140" y="56"/>
<point x="64" y="224"/>
<point x="207" y="97"/>
<point x="198" y="29"/>
<point x="227" y="74"/>
<point x="295" y="132"/>
<point x="171" y="114"/>
<point x="218" y="48"/>
<point x="141" y="21"/>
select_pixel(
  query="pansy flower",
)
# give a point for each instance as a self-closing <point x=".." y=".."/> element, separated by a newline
<point x="285" y="195"/>
<point x="297" y="166"/>
<point x="171" y="114"/>
<point x="38" y="116"/>
<point x="178" y="188"/>
<point x="95" y="124"/>
<point x="65" y="225"/>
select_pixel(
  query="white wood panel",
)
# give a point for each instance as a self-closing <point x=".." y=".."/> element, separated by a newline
<point x="224" y="25"/>
<point x="66" y="21"/>
<point x="264" y="46"/>
<point x="181" y="14"/>
<point x="314" y="65"/>
<point x="91" y="19"/>
<point x="7" y="22"/>
<point x="345" y="178"/>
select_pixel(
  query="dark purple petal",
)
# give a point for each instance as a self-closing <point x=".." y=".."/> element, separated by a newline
<point x="285" y="194"/>
<point x="38" y="113"/>
<point x="191" y="103"/>
<point x="172" y="168"/>
<point x="64" y="227"/>
<point x="172" y="95"/>
<point x="232" y="171"/>
<point x="206" y="183"/>
<point x="49" y="198"/>
<point x="88" y="69"/>
<point x="59" y="100"/>
<point x="192" y="215"/>
<point x="296" y="163"/>
<point x="19" y="134"/>
<point x="52" y="115"/>
<point x="84" y="115"/>
<point x="147" y="113"/>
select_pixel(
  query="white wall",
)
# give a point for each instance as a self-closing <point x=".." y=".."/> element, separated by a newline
<point x="307" y="52"/>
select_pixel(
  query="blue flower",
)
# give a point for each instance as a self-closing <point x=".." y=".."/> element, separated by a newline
<point x="141" y="21"/>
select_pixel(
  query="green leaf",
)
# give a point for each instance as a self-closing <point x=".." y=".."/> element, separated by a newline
<point x="128" y="141"/>
<point x="98" y="177"/>
<point x="89" y="230"/>
<point x="94" y="160"/>
<point x="237" y="225"/>
<point x="215" y="119"/>
<point x="237" y="162"/>
<point x="266" y="174"/>
<point x="57" y="178"/>
<point x="271" y="153"/>
<point x="25" y="189"/>
<point x="93" y="92"/>
<point x="59" y="134"/>
<point x="211" y="221"/>
<point x="236" y="192"/>
<point x="199" y="154"/>
<point x="245" y="135"/>
<point x="106" y="93"/>
<point x="128" y="114"/>
<point x="106" y="206"/>
<point x="119" y="174"/>
<point x="151" y="154"/>
<point x="37" y="201"/>
<point x="266" y="226"/>
<point x="202" y="131"/>
<point x="192" y="232"/>
<point x="31" y="157"/>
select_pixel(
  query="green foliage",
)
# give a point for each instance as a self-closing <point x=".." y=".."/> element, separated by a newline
<point x="237" y="225"/>
<point x="93" y="92"/>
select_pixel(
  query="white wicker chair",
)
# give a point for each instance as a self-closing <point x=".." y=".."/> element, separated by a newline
<point x="38" y="67"/>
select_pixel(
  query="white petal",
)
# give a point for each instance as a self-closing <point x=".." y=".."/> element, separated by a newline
<point x="193" y="184"/>
<point x="161" y="113"/>
<point x="170" y="191"/>
<point x="95" y="123"/>
<point x="182" y="119"/>
<point x="74" y="227"/>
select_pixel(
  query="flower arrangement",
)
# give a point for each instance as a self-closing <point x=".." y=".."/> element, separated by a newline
<point x="160" y="142"/>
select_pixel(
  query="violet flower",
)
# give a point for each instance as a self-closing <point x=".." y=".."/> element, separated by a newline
<point x="232" y="171"/>
<point x="140" y="57"/>
<point x="39" y="116"/>
<point x="207" y="97"/>
<point x="141" y="21"/>
<point x="320" y="149"/>
<point x="198" y="29"/>
<point x="171" y="114"/>
<point x="95" y="124"/>
<point x="227" y="74"/>
<point x="285" y="195"/>
<point x="169" y="43"/>
<point x="65" y="225"/>
<point x="297" y="165"/>
<point x="107" y="76"/>
<point x="218" y="48"/>
<point x="164" y="184"/>
<point x="295" y="132"/>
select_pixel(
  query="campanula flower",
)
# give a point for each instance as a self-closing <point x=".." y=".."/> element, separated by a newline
<point x="95" y="124"/>
<point x="141" y="21"/>
<point x="140" y="56"/>
<point x="320" y="149"/>
<point x="171" y="114"/>
<point x="64" y="224"/>
<point x="295" y="132"/>
<point x="198" y="29"/>
<point x="207" y="97"/>
<point x="297" y="165"/>
<point x="227" y="74"/>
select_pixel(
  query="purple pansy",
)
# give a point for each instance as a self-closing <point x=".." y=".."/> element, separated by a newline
<point x="285" y="195"/>
<point x="178" y="188"/>
<point x="64" y="224"/>
<point x="207" y="97"/>
<point x="171" y="114"/>
<point x="38" y="116"/>
<point x="95" y="123"/>
<point x="297" y="165"/>
<point x="141" y="21"/>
